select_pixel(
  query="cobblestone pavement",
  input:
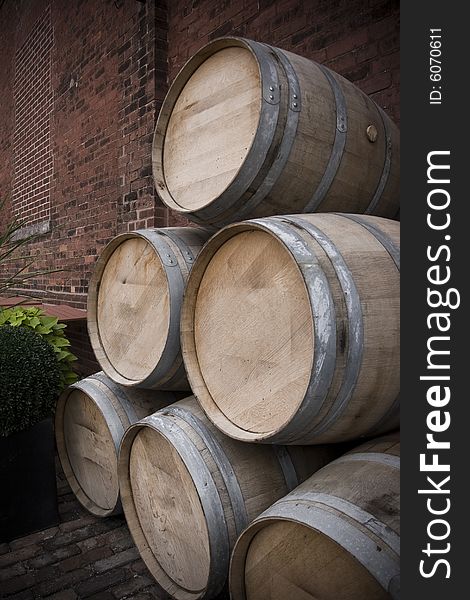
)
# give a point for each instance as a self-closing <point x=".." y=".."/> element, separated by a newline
<point x="83" y="557"/>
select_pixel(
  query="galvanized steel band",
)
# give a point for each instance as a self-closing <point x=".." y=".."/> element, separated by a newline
<point x="285" y="147"/>
<point x="383" y="565"/>
<point x="355" y="325"/>
<point x="324" y="316"/>
<point x="119" y="393"/>
<point x="356" y="513"/>
<point x="262" y="141"/>
<point x="389" y="460"/>
<point x="386" y="241"/>
<point x="338" y="144"/>
<point x="287" y="467"/>
<point x="171" y="350"/>
<point x="220" y="458"/>
<point x="393" y="413"/>
<point x="116" y="428"/>
<point x="208" y="495"/>
<point x="386" y="167"/>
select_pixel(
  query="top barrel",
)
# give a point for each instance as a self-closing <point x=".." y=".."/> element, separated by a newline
<point x="248" y="130"/>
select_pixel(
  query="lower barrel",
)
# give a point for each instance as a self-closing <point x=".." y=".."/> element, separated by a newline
<point x="188" y="491"/>
<point x="91" y="418"/>
<point x="335" y="537"/>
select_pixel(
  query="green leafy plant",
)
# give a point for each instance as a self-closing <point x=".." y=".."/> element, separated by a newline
<point x="50" y="329"/>
<point x="30" y="379"/>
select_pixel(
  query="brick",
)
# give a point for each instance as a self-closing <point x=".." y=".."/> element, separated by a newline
<point x="153" y="593"/>
<point x="377" y="83"/>
<point x="383" y="27"/>
<point x="139" y="567"/>
<point x="12" y="571"/>
<point x="347" y="44"/>
<point x="62" y="539"/>
<point x="18" y="584"/>
<point x="89" y="519"/>
<point x="102" y="596"/>
<point x="50" y="558"/>
<point x="390" y="43"/>
<point x="122" y="544"/>
<point x="135" y="584"/>
<point x="357" y="74"/>
<point x="19" y="555"/>
<point x="100" y="583"/>
<point x="63" y="595"/>
<point x="23" y="595"/>
<point x="85" y="558"/>
<point x="34" y="538"/>
<point x="63" y="582"/>
<point x="56" y="175"/>
<point x="117" y="560"/>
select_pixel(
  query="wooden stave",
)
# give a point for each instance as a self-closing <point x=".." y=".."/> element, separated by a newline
<point x="119" y="409"/>
<point x="355" y="530"/>
<point x="269" y="154"/>
<point x="170" y="241"/>
<point x="293" y="467"/>
<point x="297" y="430"/>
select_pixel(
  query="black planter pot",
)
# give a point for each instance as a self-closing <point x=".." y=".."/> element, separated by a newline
<point x="28" y="490"/>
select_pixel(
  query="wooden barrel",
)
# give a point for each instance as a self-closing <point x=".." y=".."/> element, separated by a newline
<point x="247" y="130"/>
<point x="134" y="305"/>
<point x="335" y="537"/>
<point x="290" y="328"/>
<point x="188" y="491"/>
<point x="91" y="418"/>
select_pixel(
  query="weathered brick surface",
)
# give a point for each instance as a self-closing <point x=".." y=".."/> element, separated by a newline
<point x="64" y="595"/>
<point x="116" y="560"/>
<point x="33" y="98"/>
<point x="131" y="586"/>
<point x="84" y="557"/>
<point x="100" y="583"/>
<point x="357" y="38"/>
<point x="111" y="63"/>
<point x="11" y="572"/>
<point x="107" y="76"/>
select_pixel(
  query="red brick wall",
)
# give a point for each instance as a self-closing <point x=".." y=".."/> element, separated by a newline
<point x="111" y="62"/>
<point x="107" y="78"/>
<point x="33" y="101"/>
<point x="357" y="38"/>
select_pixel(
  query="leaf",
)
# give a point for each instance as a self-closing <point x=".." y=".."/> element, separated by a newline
<point x="5" y="315"/>
<point x="70" y="378"/>
<point x="17" y="319"/>
<point x="34" y="322"/>
<point x="42" y="330"/>
<point x="59" y="342"/>
<point x="49" y="321"/>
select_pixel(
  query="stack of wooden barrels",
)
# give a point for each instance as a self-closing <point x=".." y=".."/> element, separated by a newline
<point x="246" y="358"/>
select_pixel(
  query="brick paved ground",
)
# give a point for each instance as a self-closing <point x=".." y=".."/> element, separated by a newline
<point x="83" y="557"/>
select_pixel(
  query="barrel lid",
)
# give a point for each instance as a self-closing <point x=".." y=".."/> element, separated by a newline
<point x="133" y="308"/>
<point x="286" y="559"/>
<point x="253" y="331"/>
<point x="91" y="453"/>
<point x="212" y="127"/>
<point x="169" y="514"/>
